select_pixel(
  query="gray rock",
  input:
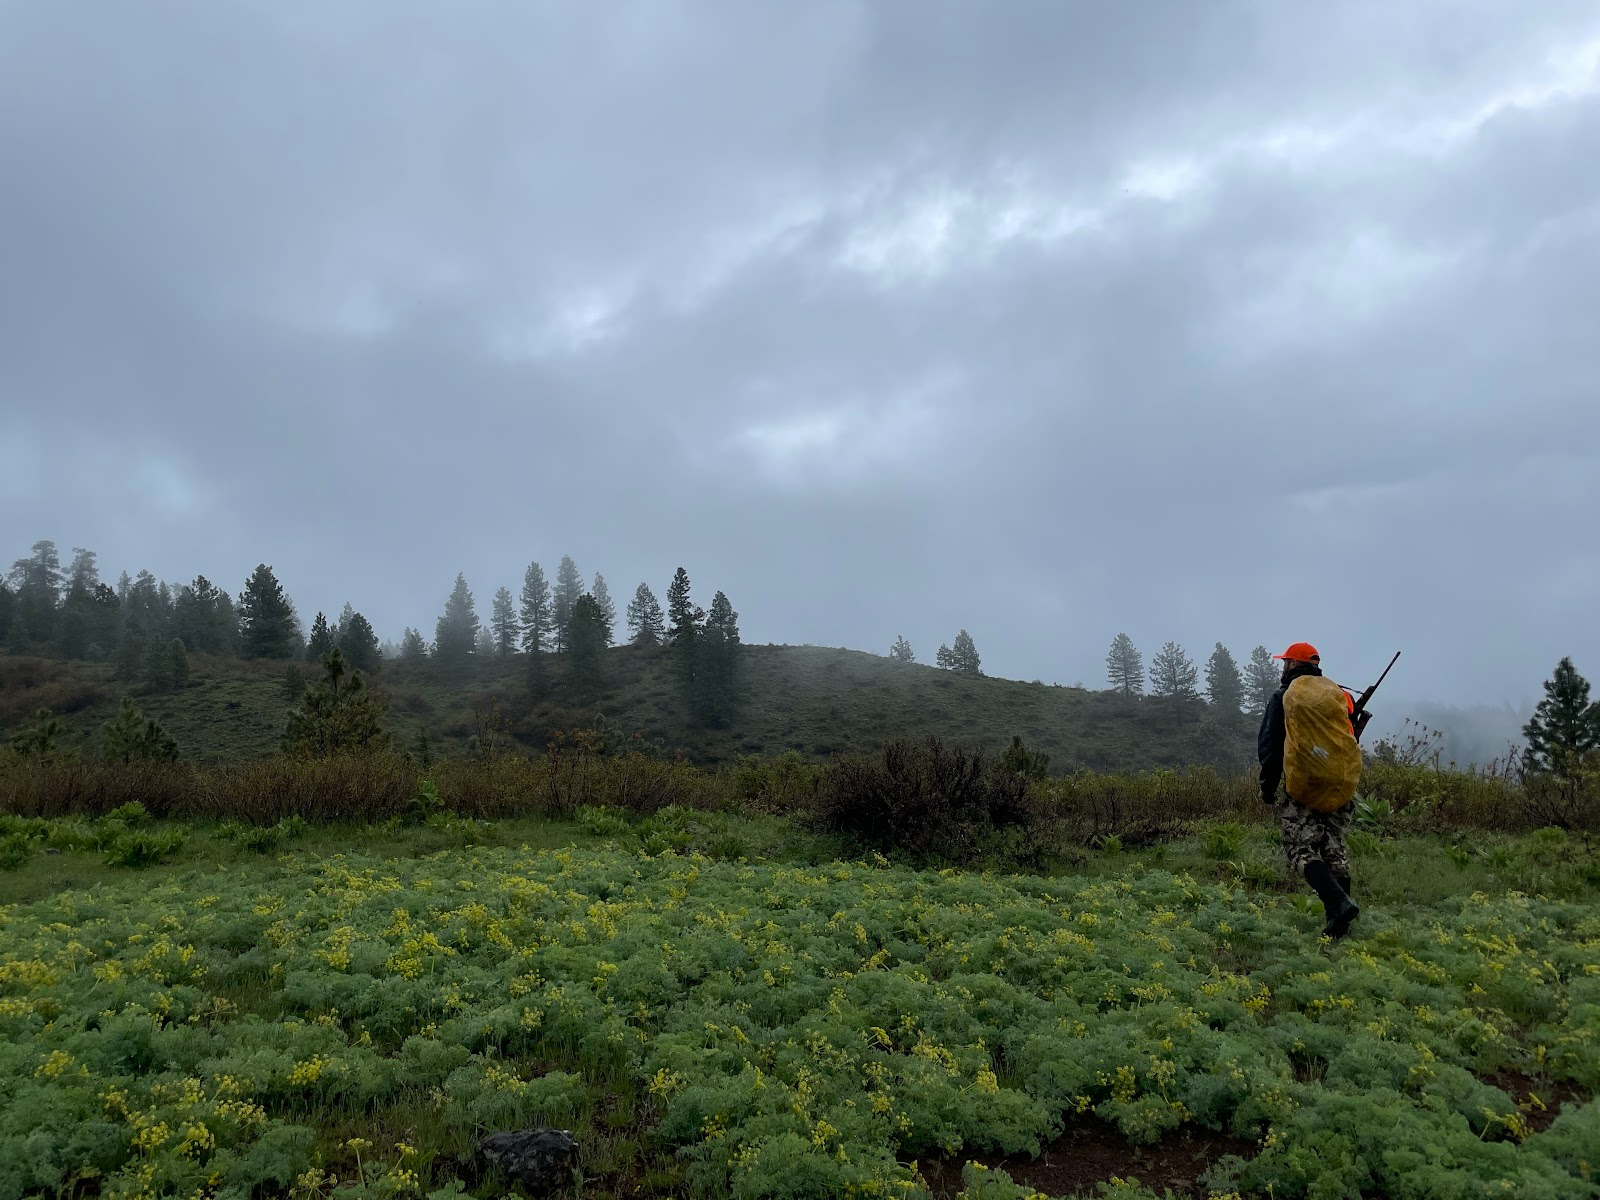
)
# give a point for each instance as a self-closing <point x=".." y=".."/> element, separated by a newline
<point x="539" y="1159"/>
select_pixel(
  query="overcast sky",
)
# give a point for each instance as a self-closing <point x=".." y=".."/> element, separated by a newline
<point x="1232" y="320"/>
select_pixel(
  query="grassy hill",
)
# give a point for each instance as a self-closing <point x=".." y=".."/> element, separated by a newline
<point x="814" y="700"/>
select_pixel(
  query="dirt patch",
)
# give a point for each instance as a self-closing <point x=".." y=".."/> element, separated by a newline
<point x="1091" y="1152"/>
<point x="1553" y="1093"/>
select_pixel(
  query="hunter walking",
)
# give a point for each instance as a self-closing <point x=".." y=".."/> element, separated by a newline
<point x="1308" y="743"/>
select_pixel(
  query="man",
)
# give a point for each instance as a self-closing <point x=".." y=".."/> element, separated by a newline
<point x="1308" y="721"/>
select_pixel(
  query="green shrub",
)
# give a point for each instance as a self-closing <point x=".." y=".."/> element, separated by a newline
<point x="1224" y="841"/>
<point x="143" y="847"/>
<point x="262" y="839"/>
<point x="602" y="821"/>
<point x="929" y="800"/>
<point x="15" y="849"/>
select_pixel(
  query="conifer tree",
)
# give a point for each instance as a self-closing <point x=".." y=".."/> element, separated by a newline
<point x="1261" y="678"/>
<point x="336" y="716"/>
<point x="358" y="642"/>
<point x="36" y="581"/>
<point x="964" y="655"/>
<point x="1224" y="685"/>
<point x="536" y="615"/>
<point x="717" y="664"/>
<point x="413" y="647"/>
<point x="682" y="625"/>
<point x="1173" y="678"/>
<point x="8" y="609"/>
<point x="1565" y="730"/>
<point x="130" y="736"/>
<point x="569" y="586"/>
<point x="133" y="644"/>
<point x="685" y="626"/>
<point x="485" y="645"/>
<point x="646" y="626"/>
<point x="455" y="638"/>
<point x="503" y="622"/>
<point x="321" y="641"/>
<point x="267" y="622"/>
<point x="84" y="573"/>
<point x="585" y="640"/>
<point x="202" y="615"/>
<point x="608" y="610"/>
<point x="1125" y="667"/>
<point x="901" y="651"/>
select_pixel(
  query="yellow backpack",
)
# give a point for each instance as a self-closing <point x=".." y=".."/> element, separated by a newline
<point x="1321" y="759"/>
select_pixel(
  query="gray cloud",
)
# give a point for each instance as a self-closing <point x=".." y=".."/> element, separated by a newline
<point x="1230" y="321"/>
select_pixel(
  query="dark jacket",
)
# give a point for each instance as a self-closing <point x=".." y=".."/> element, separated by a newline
<point x="1269" y="742"/>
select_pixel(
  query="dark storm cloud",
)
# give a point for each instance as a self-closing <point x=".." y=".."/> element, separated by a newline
<point x="1236" y="321"/>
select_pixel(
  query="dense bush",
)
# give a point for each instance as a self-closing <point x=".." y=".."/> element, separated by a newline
<point x="932" y="801"/>
<point x="1138" y="810"/>
<point x="925" y="798"/>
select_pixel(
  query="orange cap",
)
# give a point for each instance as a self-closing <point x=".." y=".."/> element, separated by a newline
<point x="1300" y="652"/>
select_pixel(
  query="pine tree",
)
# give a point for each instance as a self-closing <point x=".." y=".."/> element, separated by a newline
<point x="322" y="639"/>
<point x="682" y="625"/>
<point x="485" y="645"/>
<point x="267" y="622"/>
<point x="1565" y="729"/>
<point x="37" y="583"/>
<point x="128" y="659"/>
<point x="412" y="646"/>
<point x="358" y="642"/>
<point x="84" y="573"/>
<point x="901" y="651"/>
<point x="944" y="658"/>
<point x="1261" y="678"/>
<point x="226" y="623"/>
<point x="717" y="666"/>
<point x="8" y="609"/>
<point x="294" y="683"/>
<point x="585" y="639"/>
<point x="504" y="623"/>
<point x="455" y="638"/>
<point x="202" y="615"/>
<point x="81" y="622"/>
<point x="536" y="615"/>
<point x="132" y="737"/>
<point x="336" y="716"/>
<point x="964" y="655"/>
<point x="1173" y="678"/>
<point x="645" y="624"/>
<point x="608" y="610"/>
<point x="1125" y="667"/>
<point x="569" y="586"/>
<point x="1224" y="685"/>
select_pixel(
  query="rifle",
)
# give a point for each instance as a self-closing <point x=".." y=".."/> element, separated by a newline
<point x="1359" y="716"/>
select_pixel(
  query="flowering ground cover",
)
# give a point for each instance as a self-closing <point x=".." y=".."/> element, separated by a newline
<point x="353" y="1025"/>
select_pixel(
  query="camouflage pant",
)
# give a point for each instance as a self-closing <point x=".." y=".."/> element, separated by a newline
<point x="1309" y="835"/>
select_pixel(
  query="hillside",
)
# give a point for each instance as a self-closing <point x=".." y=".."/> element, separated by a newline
<point x="818" y="701"/>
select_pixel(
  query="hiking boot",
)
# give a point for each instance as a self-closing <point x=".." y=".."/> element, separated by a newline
<point x="1336" y="903"/>
<point x="1339" y="924"/>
